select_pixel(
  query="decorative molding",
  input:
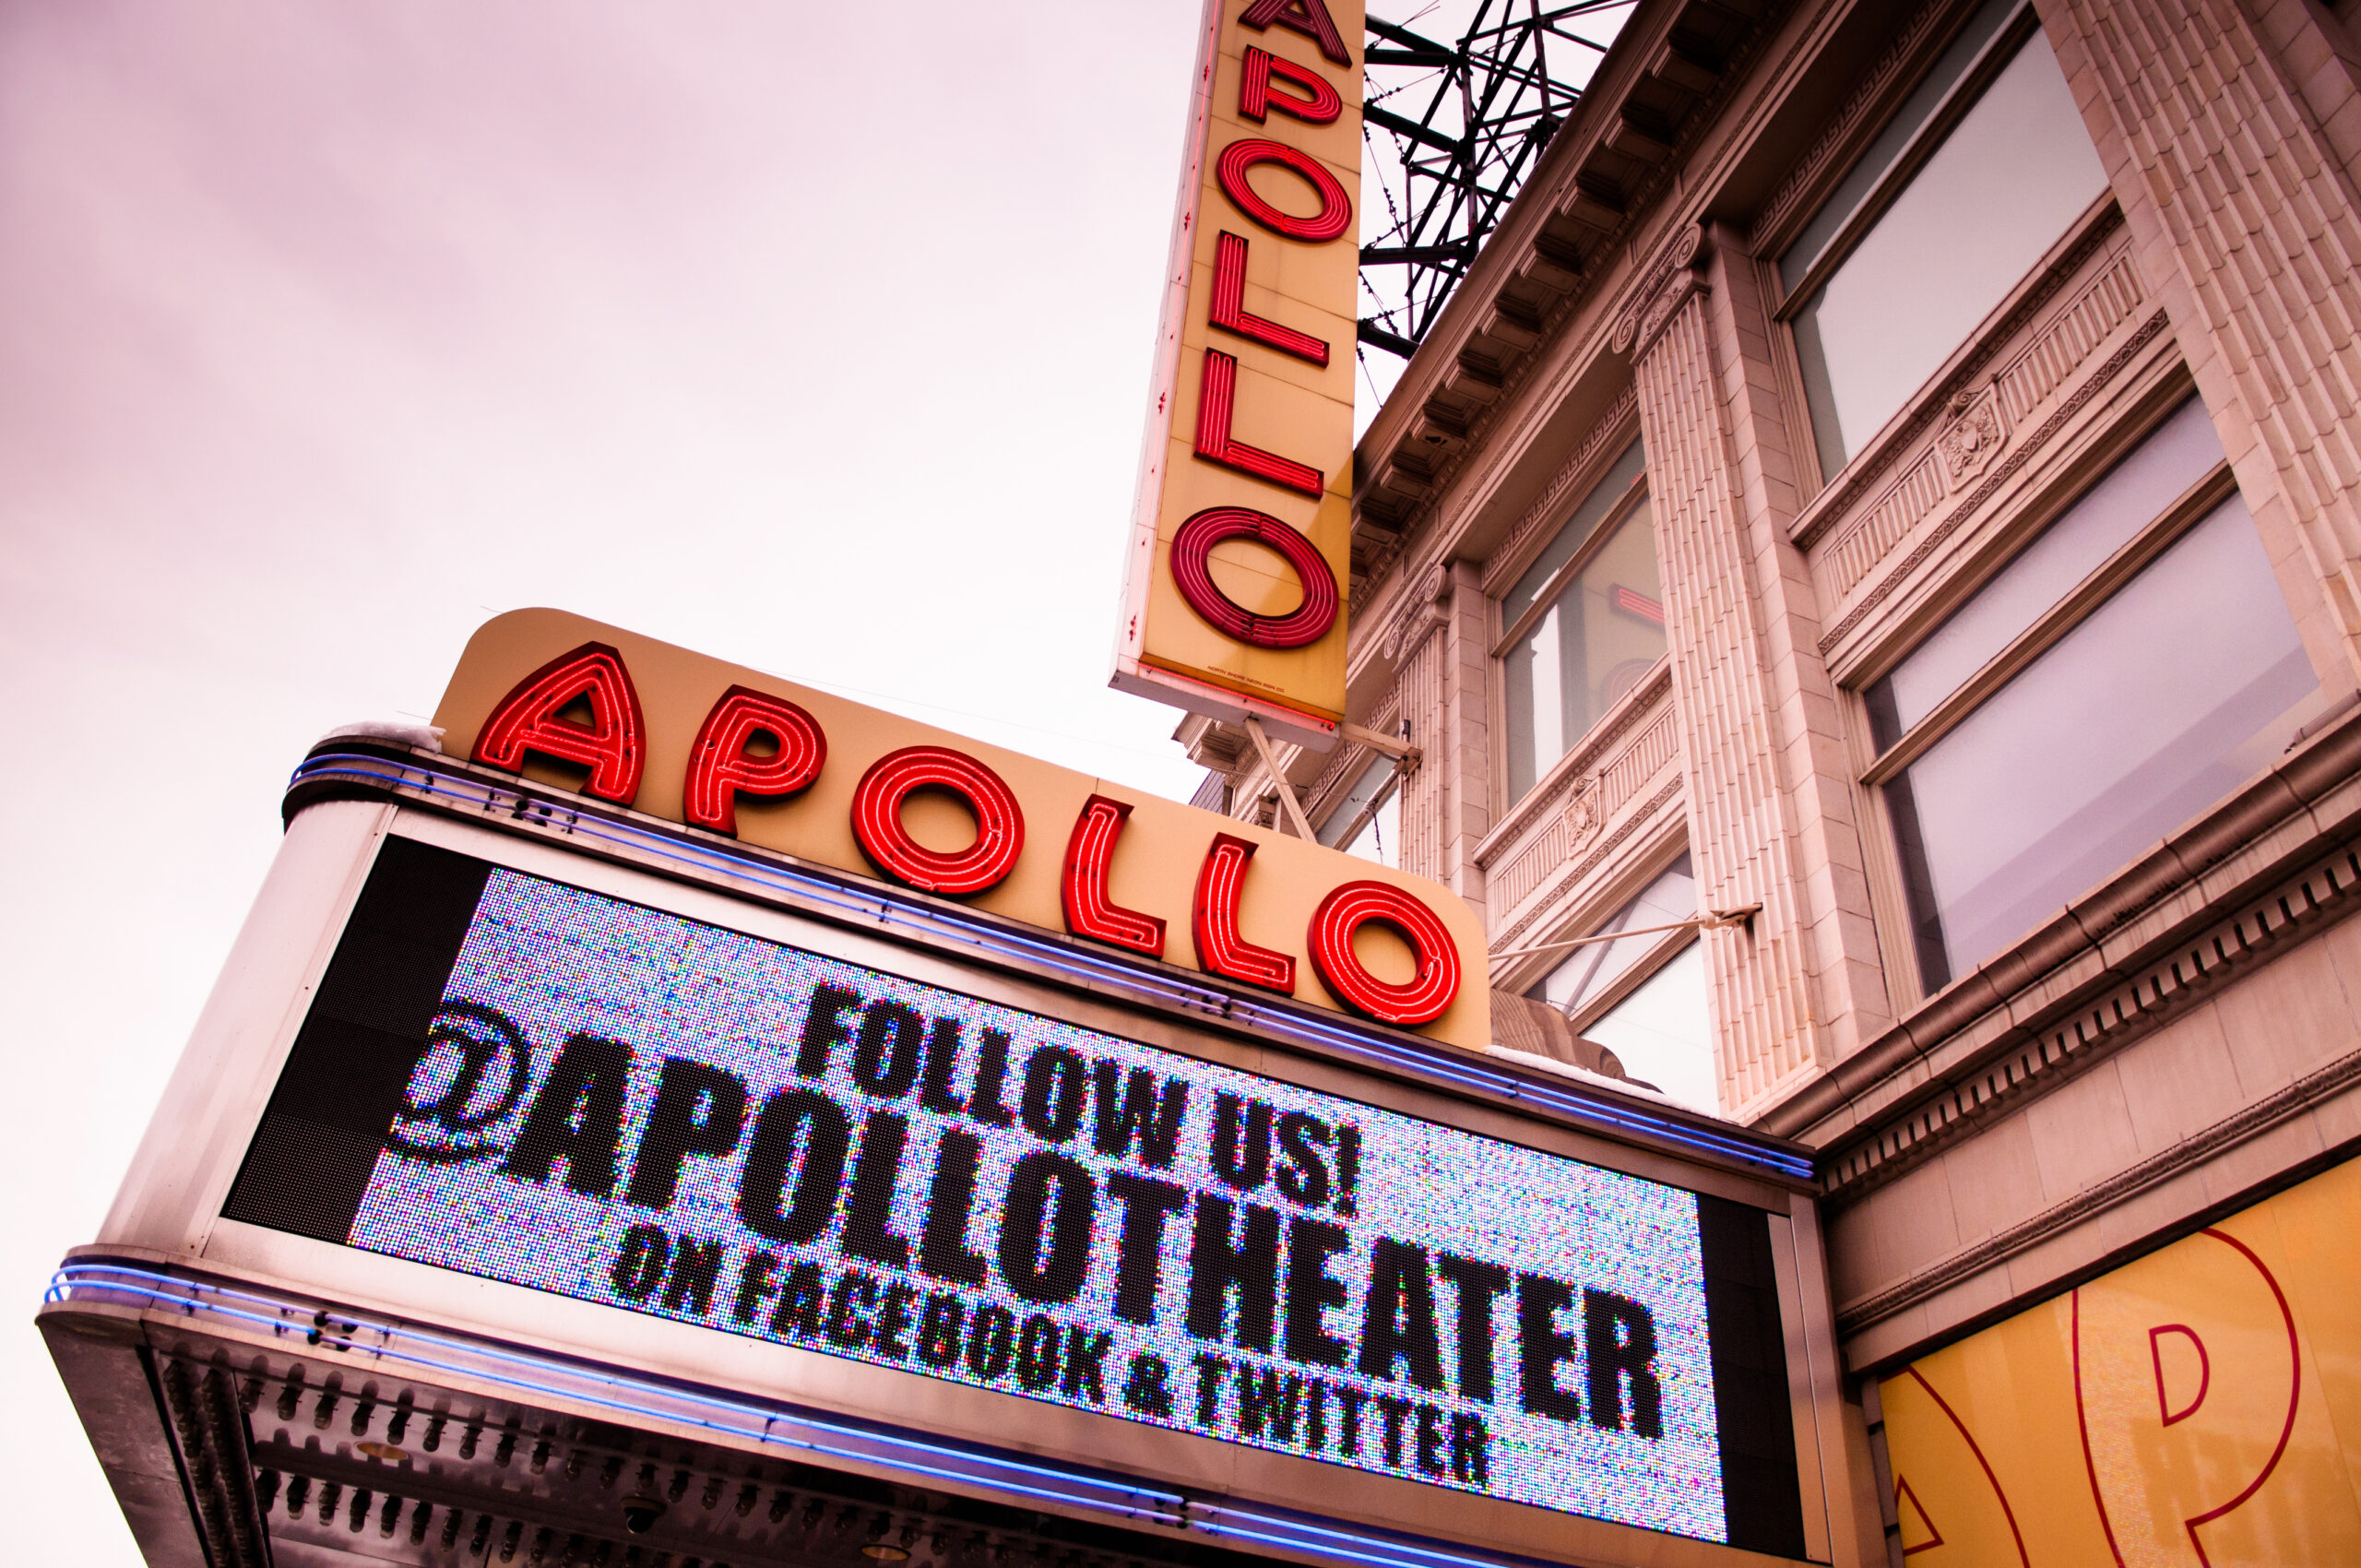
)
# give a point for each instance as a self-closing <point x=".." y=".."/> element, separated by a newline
<point x="1979" y="422"/>
<point x="1808" y="172"/>
<point x="1670" y="282"/>
<point x="1859" y="478"/>
<point x="2313" y="1089"/>
<point x="2051" y="1049"/>
<point x="2042" y="366"/>
<point x="1574" y="873"/>
<point x="1588" y="805"/>
<point x="2116" y="363"/>
<point x="1971" y="435"/>
<point x="1913" y="497"/>
<point x="1426" y="612"/>
<point x="1644" y="701"/>
<point x="1572" y="831"/>
<point x="1620" y="416"/>
<point x="1636" y="199"/>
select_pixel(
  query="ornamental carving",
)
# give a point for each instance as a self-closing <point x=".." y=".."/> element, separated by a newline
<point x="1425" y="614"/>
<point x="1971" y="435"/>
<point x="1668" y="283"/>
<point x="1583" y="817"/>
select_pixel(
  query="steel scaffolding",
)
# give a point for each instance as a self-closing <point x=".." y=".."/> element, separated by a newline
<point x="1451" y="130"/>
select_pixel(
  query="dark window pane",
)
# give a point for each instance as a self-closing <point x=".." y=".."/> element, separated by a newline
<point x="2135" y="492"/>
<point x="2000" y="190"/>
<point x="1604" y="631"/>
<point x="2185" y="683"/>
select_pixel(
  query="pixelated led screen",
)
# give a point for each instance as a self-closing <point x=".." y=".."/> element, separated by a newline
<point x="619" y="1105"/>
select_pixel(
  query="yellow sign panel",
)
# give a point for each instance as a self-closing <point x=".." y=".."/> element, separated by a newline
<point x="1236" y="579"/>
<point x="2201" y="1407"/>
<point x="641" y="724"/>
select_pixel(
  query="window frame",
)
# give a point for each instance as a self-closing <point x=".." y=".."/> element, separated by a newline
<point x="1993" y="58"/>
<point x="1368" y="814"/>
<point x="1643" y="969"/>
<point x="1545" y="599"/>
<point x="1873" y="769"/>
<point x="1590" y="921"/>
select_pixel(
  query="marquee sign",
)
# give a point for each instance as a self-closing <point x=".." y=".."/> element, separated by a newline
<point x="532" y="1082"/>
<point x="643" y="724"/>
<point x="617" y="1115"/>
<point x="1234" y="601"/>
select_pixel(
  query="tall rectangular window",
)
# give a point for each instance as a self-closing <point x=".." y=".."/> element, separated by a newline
<point x="1642" y="999"/>
<point x="2126" y="670"/>
<point x="1582" y="627"/>
<point x="1980" y="173"/>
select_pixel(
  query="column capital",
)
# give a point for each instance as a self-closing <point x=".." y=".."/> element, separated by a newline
<point x="1423" y="614"/>
<point x="1670" y="281"/>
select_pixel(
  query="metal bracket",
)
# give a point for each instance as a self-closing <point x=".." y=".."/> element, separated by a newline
<point x="1716" y="920"/>
<point x="1397" y="747"/>
<point x="1287" y="790"/>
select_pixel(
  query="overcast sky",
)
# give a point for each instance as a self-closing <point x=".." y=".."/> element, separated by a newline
<point x="814" y="337"/>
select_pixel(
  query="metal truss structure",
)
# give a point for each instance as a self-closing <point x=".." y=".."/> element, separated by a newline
<point x="1451" y="130"/>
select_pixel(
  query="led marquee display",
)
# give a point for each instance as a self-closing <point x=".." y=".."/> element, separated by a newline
<point x="532" y="1083"/>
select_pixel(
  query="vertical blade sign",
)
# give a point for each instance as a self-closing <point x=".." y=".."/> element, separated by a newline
<point x="1234" y="601"/>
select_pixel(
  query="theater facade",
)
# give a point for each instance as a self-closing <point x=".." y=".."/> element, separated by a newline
<point x="1759" y="975"/>
<point x="1878" y="524"/>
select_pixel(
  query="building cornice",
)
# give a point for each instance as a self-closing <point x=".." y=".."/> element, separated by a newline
<point x="1567" y="236"/>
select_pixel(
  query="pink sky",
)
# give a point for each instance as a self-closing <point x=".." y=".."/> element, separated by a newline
<point x="812" y="337"/>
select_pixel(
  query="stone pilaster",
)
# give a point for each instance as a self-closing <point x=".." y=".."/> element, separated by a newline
<point x="1771" y="816"/>
<point x="2231" y="134"/>
<point x="1468" y="731"/>
<point x="1416" y="644"/>
<point x="1437" y="642"/>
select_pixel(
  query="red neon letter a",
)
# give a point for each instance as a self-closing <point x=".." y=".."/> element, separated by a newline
<point x="532" y="719"/>
<point x="1309" y="18"/>
<point x="1255" y="98"/>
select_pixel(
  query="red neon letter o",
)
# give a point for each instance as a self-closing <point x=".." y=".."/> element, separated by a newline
<point x="1336" y="214"/>
<point x="877" y="820"/>
<point x="1191" y="574"/>
<point x="1343" y="911"/>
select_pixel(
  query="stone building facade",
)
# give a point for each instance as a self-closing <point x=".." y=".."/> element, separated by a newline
<point x="1891" y="491"/>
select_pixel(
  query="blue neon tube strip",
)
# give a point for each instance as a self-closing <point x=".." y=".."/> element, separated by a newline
<point x="527" y="1373"/>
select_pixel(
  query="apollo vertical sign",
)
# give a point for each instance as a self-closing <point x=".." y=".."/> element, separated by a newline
<point x="1235" y="577"/>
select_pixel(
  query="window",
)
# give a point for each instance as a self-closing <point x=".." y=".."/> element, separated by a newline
<point x="1981" y="172"/>
<point x="2127" y="669"/>
<point x="1582" y="627"/>
<point x="1368" y="821"/>
<point x="1662" y="1034"/>
<point x="1644" y="998"/>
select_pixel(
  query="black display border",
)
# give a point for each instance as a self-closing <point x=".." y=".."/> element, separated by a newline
<point x="369" y="1018"/>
